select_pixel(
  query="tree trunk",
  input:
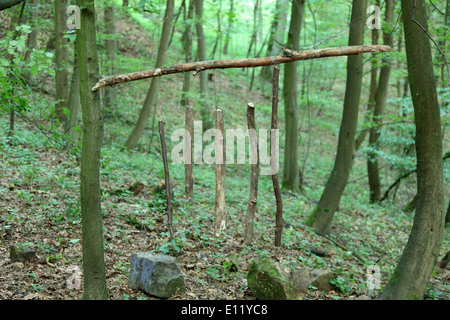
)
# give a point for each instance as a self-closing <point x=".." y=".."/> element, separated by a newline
<point x="188" y="151"/>
<point x="445" y="260"/>
<point x="380" y="104"/>
<point x="254" y="151"/>
<point x="372" y="91"/>
<point x="276" y="34"/>
<point x="91" y="213"/>
<point x="420" y="255"/>
<point x="187" y="45"/>
<point x="32" y="37"/>
<point x="323" y="214"/>
<point x="273" y="159"/>
<point x="443" y="43"/>
<point x="74" y="100"/>
<point x="219" y="31"/>
<point x="230" y="26"/>
<point x="150" y="99"/>
<point x="291" y="167"/>
<point x="447" y="216"/>
<point x="201" y="51"/>
<point x="61" y="74"/>
<point x="110" y="95"/>
<point x="220" y="220"/>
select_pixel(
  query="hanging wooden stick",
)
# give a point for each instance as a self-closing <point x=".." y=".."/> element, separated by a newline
<point x="196" y="67"/>
<point x="220" y="211"/>
<point x="254" y="156"/>
<point x="273" y="163"/>
<point x="166" y="176"/>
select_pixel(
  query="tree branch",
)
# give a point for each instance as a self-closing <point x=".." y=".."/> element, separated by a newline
<point x="197" y="67"/>
<point x="5" y="4"/>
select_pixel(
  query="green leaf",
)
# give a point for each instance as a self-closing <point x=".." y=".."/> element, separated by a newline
<point x="34" y="70"/>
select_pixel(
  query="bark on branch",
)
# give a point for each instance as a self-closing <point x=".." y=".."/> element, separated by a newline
<point x="196" y="67"/>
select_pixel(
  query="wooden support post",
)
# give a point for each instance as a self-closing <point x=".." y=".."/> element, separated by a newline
<point x="254" y="156"/>
<point x="273" y="164"/>
<point x="220" y="211"/>
<point x="166" y="176"/>
<point x="188" y="156"/>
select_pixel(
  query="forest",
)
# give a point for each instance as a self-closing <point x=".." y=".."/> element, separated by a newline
<point x="224" y="150"/>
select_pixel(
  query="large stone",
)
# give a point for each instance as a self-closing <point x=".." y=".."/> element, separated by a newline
<point x="20" y="253"/>
<point x="157" y="275"/>
<point x="268" y="280"/>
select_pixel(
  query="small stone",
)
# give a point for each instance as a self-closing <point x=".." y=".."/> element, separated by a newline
<point x="20" y="253"/>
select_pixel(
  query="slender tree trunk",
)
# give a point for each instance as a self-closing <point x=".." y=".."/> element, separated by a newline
<point x="32" y="37"/>
<point x="253" y="36"/>
<point x="372" y="91"/>
<point x="254" y="151"/>
<point x="380" y="104"/>
<point x="323" y="214"/>
<point x="110" y="95"/>
<point x="150" y="99"/>
<point x="445" y="260"/>
<point x="205" y="110"/>
<point x="291" y="167"/>
<point x="443" y="43"/>
<point x="14" y="23"/>
<point x="273" y="159"/>
<point x="276" y="34"/>
<point x="91" y="212"/>
<point x="420" y="255"/>
<point x="219" y="31"/>
<point x="447" y="216"/>
<point x="220" y="219"/>
<point x="61" y="54"/>
<point x="187" y="45"/>
<point x="230" y="26"/>
<point x="188" y="149"/>
<point x="74" y="100"/>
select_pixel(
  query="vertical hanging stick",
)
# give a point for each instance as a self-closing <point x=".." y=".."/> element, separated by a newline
<point x="188" y="168"/>
<point x="254" y="158"/>
<point x="220" y="211"/>
<point x="166" y="176"/>
<point x="273" y="150"/>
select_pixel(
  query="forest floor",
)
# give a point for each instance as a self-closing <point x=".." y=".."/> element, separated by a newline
<point x="39" y="207"/>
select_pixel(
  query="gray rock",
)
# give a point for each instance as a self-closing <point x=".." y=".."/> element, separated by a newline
<point x="268" y="280"/>
<point x="321" y="279"/>
<point x="157" y="275"/>
<point x="20" y="253"/>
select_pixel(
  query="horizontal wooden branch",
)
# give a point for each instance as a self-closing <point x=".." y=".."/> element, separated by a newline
<point x="196" y="67"/>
